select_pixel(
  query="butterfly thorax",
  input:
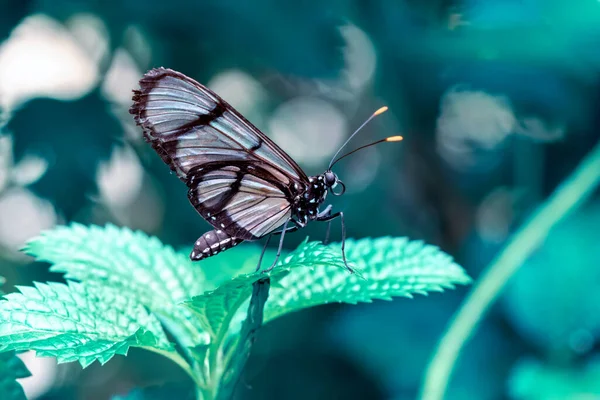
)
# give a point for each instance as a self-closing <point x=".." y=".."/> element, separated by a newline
<point x="306" y="204"/>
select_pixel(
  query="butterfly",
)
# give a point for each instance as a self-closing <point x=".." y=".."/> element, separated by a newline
<point x="239" y="180"/>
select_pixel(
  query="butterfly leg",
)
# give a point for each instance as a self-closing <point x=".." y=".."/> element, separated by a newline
<point x="341" y="216"/>
<point x="291" y="229"/>
<point x="323" y="214"/>
<point x="263" y="252"/>
<point x="326" y="241"/>
<point x="283" y="231"/>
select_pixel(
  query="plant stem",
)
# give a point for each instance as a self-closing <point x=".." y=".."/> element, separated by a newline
<point x="231" y="351"/>
<point x="203" y="394"/>
<point x="177" y="359"/>
<point x="250" y="327"/>
<point x="216" y="365"/>
<point x="567" y="197"/>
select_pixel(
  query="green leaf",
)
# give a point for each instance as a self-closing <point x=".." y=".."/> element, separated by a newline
<point x="77" y="322"/>
<point x="237" y="260"/>
<point x="532" y="380"/>
<point x="215" y="309"/>
<point x="131" y="262"/>
<point x="314" y="274"/>
<point x="388" y="267"/>
<point x="217" y="312"/>
<point x="11" y="369"/>
<point x="199" y="353"/>
<point x="241" y="352"/>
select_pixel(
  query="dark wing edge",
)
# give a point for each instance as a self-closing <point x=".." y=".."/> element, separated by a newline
<point x="212" y="107"/>
<point x="148" y="82"/>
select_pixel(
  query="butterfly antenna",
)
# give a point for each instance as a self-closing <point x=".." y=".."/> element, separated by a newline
<point x="376" y="113"/>
<point x="387" y="139"/>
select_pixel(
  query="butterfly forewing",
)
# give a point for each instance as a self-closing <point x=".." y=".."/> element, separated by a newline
<point x="178" y="113"/>
<point x="238" y="179"/>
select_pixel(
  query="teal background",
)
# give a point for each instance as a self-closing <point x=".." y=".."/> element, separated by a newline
<point x="498" y="101"/>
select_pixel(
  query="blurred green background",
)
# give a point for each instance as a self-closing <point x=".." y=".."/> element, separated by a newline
<point x="498" y="101"/>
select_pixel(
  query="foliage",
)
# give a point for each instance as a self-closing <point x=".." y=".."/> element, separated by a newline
<point x="55" y="135"/>
<point x="533" y="380"/>
<point x="240" y="353"/>
<point x="552" y="276"/>
<point x="567" y="198"/>
<point x="387" y="267"/>
<point x="541" y="57"/>
<point x="128" y="280"/>
<point x="12" y="368"/>
<point x="131" y="262"/>
<point x="76" y="322"/>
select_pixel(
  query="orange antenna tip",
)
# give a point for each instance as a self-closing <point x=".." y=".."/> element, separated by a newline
<point x="335" y="159"/>
<point x="380" y="111"/>
<point x="394" y="139"/>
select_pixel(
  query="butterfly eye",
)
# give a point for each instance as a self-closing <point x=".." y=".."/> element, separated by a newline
<point x="330" y="179"/>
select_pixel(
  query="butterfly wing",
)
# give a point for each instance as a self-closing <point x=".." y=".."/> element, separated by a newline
<point x="239" y="180"/>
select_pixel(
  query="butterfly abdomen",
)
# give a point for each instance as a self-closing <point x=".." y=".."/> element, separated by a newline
<point x="211" y="243"/>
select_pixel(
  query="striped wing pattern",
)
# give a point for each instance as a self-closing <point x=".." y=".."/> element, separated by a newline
<point x="238" y="179"/>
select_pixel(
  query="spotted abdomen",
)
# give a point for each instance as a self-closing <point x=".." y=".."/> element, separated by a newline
<point x="211" y="243"/>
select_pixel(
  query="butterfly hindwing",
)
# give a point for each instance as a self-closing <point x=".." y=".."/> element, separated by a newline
<point x="238" y="178"/>
<point x="253" y="206"/>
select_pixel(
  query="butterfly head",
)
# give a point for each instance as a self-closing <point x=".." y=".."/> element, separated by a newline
<point x="332" y="181"/>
